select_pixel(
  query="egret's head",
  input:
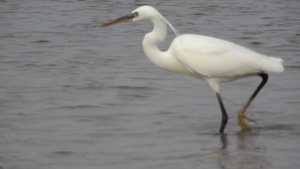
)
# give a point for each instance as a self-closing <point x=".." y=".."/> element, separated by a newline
<point x="145" y="13"/>
<point x="141" y="13"/>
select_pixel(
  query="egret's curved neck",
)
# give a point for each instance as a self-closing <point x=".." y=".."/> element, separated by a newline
<point x="158" y="34"/>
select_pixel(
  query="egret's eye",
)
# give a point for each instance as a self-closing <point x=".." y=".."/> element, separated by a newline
<point x="135" y="14"/>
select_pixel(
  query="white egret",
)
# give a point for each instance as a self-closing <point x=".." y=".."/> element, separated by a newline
<point x="203" y="57"/>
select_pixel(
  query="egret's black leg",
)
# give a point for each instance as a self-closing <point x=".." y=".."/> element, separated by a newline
<point x="241" y="114"/>
<point x="224" y="114"/>
<point x="264" y="77"/>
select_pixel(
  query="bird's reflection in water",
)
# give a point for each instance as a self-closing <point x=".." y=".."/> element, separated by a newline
<point x="223" y="152"/>
<point x="223" y="141"/>
<point x="244" y="152"/>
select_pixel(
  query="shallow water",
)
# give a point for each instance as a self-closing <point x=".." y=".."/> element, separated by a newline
<point x="73" y="95"/>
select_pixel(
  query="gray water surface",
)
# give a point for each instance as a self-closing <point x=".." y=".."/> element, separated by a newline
<point x="76" y="96"/>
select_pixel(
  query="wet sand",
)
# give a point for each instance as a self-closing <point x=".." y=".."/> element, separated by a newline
<point x="73" y="95"/>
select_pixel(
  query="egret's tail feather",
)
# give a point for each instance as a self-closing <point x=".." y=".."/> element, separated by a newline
<point x="275" y="65"/>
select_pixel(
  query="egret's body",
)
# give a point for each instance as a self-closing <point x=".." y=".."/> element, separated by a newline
<point x="207" y="58"/>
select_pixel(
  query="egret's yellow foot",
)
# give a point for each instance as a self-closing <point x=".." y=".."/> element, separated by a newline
<point x="242" y="122"/>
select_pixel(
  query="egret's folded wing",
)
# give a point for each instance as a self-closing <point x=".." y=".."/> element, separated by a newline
<point x="217" y="58"/>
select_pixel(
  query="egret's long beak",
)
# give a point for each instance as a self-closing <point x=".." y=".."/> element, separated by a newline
<point x="119" y="20"/>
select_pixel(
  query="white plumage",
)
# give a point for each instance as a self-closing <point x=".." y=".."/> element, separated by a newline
<point x="207" y="58"/>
